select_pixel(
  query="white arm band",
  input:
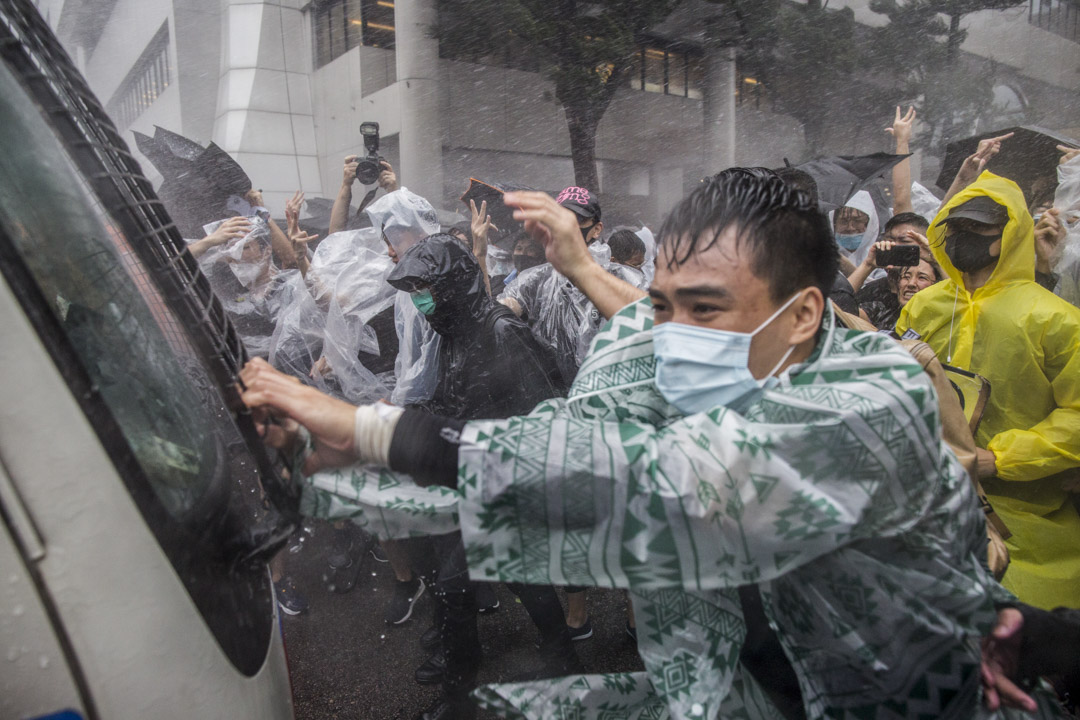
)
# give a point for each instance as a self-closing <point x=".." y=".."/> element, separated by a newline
<point x="373" y="432"/>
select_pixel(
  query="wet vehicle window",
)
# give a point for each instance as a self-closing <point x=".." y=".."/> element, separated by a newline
<point x="132" y="363"/>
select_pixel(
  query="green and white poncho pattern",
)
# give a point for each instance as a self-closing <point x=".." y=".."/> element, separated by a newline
<point x="834" y="493"/>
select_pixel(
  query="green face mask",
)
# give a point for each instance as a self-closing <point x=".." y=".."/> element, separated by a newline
<point x="423" y="301"/>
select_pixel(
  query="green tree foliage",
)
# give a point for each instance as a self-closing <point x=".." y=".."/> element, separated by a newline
<point x="586" y="49"/>
<point x="920" y="48"/>
<point x="806" y="55"/>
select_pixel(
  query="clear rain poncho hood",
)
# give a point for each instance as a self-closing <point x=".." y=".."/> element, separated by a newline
<point x="404" y="218"/>
<point x="1024" y="340"/>
<point x="862" y="202"/>
<point x="251" y="288"/>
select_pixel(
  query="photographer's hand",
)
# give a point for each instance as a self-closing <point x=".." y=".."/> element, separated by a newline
<point x="387" y="178"/>
<point x="339" y="214"/>
<point x="348" y="173"/>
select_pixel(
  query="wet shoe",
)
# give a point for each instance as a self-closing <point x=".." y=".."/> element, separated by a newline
<point x="581" y="633"/>
<point x="403" y="600"/>
<point x="345" y="560"/>
<point x="486" y="600"/>
<point x="289" y="599"/>
<point x="446" y="709"/>
<point x="431" y="639"/>
<point x="433" y="670"/>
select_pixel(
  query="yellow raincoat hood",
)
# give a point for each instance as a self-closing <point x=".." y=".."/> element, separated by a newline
<point x="1026" y="342"/>
<point x="1017" y="260"/>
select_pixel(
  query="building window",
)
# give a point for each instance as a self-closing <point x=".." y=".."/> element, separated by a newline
<point x="149" y="77"/>
<point x="666" y="71"/>
<point x="341" y="25"/>
<point x="1061" y="17"/>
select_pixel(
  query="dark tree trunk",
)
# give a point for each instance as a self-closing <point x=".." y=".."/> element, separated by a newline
<point x="953" y="47"/>
<point x="582" y="124"/>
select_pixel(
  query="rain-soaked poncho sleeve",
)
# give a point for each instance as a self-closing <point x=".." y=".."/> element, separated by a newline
<point x="709" y="501"/>
<point x="1052" y="445"/>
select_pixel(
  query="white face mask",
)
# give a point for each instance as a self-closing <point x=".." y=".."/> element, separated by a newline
<point x="699" y="368"/>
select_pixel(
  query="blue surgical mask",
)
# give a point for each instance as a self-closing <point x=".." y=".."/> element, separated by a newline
<point x="700" y="368"/>
<point x="423" y="301"/>
<point x="850" y="243"/>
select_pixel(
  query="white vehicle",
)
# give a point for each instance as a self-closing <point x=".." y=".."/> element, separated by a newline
<point x="137" y="508"/>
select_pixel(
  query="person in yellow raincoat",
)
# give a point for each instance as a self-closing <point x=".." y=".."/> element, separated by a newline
<point x="991" y="318"/>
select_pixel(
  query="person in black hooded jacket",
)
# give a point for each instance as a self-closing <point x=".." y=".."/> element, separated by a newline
<point x="490" y="366"/>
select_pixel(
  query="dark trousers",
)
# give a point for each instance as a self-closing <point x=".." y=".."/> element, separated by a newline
<point x="455" y="616"/>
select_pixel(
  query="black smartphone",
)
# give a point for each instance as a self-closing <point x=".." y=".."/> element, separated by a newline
<point x="899" y="256"/>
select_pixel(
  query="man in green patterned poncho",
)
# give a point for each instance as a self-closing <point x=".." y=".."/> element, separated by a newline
<point x="762" y="480"/>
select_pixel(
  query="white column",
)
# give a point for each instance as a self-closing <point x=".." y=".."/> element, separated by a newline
<point x="417" y="59"/>
<point x="264" y="115"/>
<point x="719" y="109"/>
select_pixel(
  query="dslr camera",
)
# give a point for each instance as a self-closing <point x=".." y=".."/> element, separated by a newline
<point x="369" y="166"/>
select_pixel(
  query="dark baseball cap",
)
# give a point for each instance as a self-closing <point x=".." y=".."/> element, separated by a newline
<point x="581" y="201"/>
<point x="979" y="209"/>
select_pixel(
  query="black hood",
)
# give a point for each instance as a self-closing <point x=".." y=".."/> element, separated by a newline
<point x="442" y="263"/>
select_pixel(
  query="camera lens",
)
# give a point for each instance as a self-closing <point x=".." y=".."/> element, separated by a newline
<point x="367" y="171"/>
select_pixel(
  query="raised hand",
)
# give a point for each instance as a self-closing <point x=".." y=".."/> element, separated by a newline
<point x="555" y="227"/>
<point x="348" y="173"/>
<point x="1049" y="237"/>
<point x="480" y="225"/>
<point x="292" y="212"/>
<point x="234" y="227"/>
<point x="1067" y="153"/>
<point x="387" y="178"/>
<point x="903" y="127"/>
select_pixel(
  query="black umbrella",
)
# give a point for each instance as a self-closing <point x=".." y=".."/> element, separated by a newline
<point x="217" y="167"/>
<point x="161" y="157"/>
<point x="1029" y="156"/>
<point x="196" y="181"/>
<point x="503" y="216"/>
<point x="841" y="176"/>
<point x="177" y="144"/>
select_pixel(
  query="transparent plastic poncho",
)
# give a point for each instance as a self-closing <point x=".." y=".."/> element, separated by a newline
<point x="1067" y="200"/>
<point x="323" y="327"/>
<point x="561" y="316"/>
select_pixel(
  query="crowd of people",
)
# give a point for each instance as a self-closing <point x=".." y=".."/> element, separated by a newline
<point x="833" y="458"/>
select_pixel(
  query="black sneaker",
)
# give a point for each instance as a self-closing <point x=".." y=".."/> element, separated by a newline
<point x="581" y="633"/>
<point x="404" y="598"/>
<point x="486" y="600"/>
<point x="433" y="670"/>
<point x="431" y="639"/>
<point x="378" y="553"/>
<point x="289" y="599"/>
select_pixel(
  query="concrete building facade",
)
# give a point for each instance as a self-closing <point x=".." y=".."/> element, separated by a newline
<point x="283" y="85"/>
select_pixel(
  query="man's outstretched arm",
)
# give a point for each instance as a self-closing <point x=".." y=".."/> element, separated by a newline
<point x="557" y="229"/>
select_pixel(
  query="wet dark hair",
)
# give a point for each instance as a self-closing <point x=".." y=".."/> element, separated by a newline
<point x="788" y="238"/>
<point x="907" y="218"/>
<point x="800" y="180"/>
<point x="624" y="245"/>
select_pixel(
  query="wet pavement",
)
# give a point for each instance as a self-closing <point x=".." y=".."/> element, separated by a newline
<point x="345" y="662"/>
